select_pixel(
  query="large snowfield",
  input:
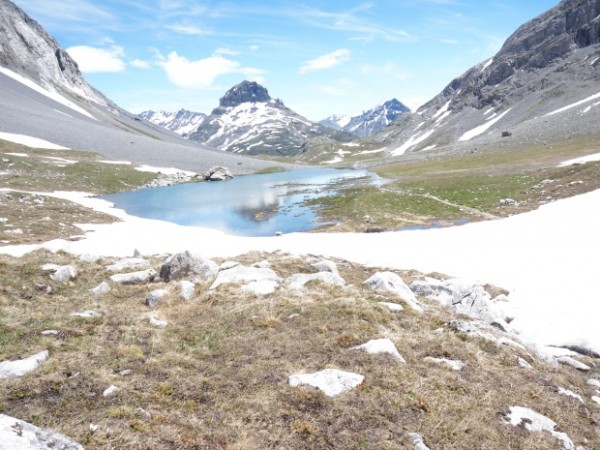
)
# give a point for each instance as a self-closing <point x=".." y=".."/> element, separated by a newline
<point x="547" y="258"/>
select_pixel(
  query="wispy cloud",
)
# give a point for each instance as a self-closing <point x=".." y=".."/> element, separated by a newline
<point x="95" y="60"/>
<point x="187" y="29"/>
<point x="327" y="61"/>
<point x="202" y="73"/>
<point x="140" y="64"/>
<point x="450" y="41"/>
<point x="66" y="10"/>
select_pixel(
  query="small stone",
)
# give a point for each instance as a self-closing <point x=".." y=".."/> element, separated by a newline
<point x="571" y="362"/>
<point x="125" y="373"/>
<point x="187" y="290"/>
<point x="394" y="307"/>
<point x="86" y="314"/>
<point x="102" y="289"/>
<point x="376" y="346"/>
<point x="522" y="363"/>
<point x="110" y="391"/>
<point x="64" y="274"/>
<point x="93" y="427"/>
<point x="157" y="322"/>
<point x="143" y="413"/>
<point x="454" y="364"/>
<point x="593" y="382"/>
<point x="50" y="332"/>
<point x="293" y="316"/>
<point x="155" y="297"/>
<point x="417" y="441"/>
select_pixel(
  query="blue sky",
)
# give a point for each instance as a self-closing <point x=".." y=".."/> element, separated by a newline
<point x="319" y="57"/>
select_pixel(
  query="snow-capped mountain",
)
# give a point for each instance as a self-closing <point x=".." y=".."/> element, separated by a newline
<point x="368" y="122"/>
<point x="182" y="122"/>
<point x="543" y="85"/>
<point x="249" y="121"/>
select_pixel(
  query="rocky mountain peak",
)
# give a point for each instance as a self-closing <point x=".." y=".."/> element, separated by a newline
<point x="245" y="92"/>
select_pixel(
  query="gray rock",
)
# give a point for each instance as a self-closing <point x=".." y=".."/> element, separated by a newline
<point x="155" y="297"/>
<point x="298" y="280"/>
<point x="218" y="173"/>
<point x="417" y="441"/>
<point x="522" y="363"/>
<point x="377" y="346"/>
<point x="89" y="258"/>
<point x="325" y="266"/>
<point x="571" y="362"/>
<point x="394" y="307"/>
<point x="391" y="282"/>
<point x="482" y="330"/>
<point x="331" y="381"/>
<point x="187" y="290"/>
<point x="86" y="314"/>
<point x="110" y="391"/>
<point x="155" y="322"/>
<point x="128" y="263"/>
<point x="462" y="296"/>
<point x="244" y="275"/>
<point x="18" y="435"/>
<point x="507" y="202"/>
<point x="144" y="276"/>
<point x="64" y="274"/>
<point x="102" y="289"/>
<point x="21" y="367"/>
<point x="184" y="265"/>
<point x="536" y="422"/>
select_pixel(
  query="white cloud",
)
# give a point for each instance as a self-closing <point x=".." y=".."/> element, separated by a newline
<point x="93" y="59"/>
<point x="450" y="41"/>
<point x="326" y="61"/>
<point x="254" y="47"/>
<point x="190" y="30"/>
<point x="139" y="64"/>
<point x="202" y="73"/>
<point x="226" y="52"/>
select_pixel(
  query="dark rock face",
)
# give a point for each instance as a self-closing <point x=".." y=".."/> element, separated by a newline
<point x="245" y="92"/>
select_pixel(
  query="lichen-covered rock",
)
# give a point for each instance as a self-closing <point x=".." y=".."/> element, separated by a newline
<point x="185" y="264"/>
<point x="18" y="435"/>
<point x="64" y="274"/>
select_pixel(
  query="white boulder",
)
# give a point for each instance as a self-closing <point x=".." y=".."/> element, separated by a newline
<point x="128" y="263"/>
<point x="100" y="290"/>
<point x="244" y="275"/>
<point x="64" y="274"/>
<point x="331" y="381"/>
<point x="18" y="435"/>
<point x="144" y="276"/>
<point x="111" y="391"/>
<point x="298" y="280"/>
<point x="21" y="367"/>
<point x="183" y="265"/>
<point x="187" y="290"/>
<point x="391" y="282"/>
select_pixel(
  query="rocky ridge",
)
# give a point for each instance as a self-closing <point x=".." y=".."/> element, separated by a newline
<point x="541" y="85"/>
<point x="182" y="122"/>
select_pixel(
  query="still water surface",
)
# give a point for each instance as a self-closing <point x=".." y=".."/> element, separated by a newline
<point x="252" y="205"/>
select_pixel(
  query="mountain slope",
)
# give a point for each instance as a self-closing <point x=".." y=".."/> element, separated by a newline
<point x="249" y="121"/>
<point x="543" y="84"/>
<point x="182" y="122"/>
<point x="44" y="95"/>
<point x="368" y="122"/>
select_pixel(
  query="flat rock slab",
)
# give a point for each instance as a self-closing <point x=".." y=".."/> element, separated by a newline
<point x="453" y="364"/>
<point x="298" y="280"/>
<point x="86" y="314"/>
<point x="392" y="283"/>
<point x="376" y="346"/>
<point x="244" y="275"/>
<point x="331" y="381"/>
<point x="18" y="435"/>
<point x="128" y="263"/>
<point x="536" y="422"/>
<point x="141" y="277"/>
<point x="64" y="274"/>
<point x="21" y="367"/>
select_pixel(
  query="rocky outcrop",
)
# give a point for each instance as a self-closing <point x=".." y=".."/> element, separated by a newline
<point x="218" y="173"/>
<point x="392" y="283"/>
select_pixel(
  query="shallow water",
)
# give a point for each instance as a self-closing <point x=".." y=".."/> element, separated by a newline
<point x="252" y="205"/>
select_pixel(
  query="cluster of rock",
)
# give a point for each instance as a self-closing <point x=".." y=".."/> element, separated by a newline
<point x="163" y="179"/>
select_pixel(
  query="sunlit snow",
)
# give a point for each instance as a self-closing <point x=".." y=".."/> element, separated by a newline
<point x="30" y="141"/>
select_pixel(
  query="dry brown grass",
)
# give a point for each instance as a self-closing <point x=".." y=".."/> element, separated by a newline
<point x="216" y="377"/>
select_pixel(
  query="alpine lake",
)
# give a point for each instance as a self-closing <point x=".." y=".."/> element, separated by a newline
<point x="249" y="205"/>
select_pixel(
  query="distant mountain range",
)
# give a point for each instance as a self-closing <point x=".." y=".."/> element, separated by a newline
<point x="368" y="122"/>
<point x="182" y="122"/>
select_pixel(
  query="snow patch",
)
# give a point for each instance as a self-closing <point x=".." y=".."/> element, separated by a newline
<point x="482" y="128"/>
<point x="412" y="142"/>
<point x="487" y="64"/>
<point x="582" y="160"/>
<point x="534" y="421"/>
<point x="574" y="105"/>
<point x="45" y="92"/>
<point x="163" y="170"/>
<point x="30" y="141"/>
<point x="116" y="163"/>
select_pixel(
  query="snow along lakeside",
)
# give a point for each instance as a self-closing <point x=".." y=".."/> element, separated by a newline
<point x="547" y="258"/>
